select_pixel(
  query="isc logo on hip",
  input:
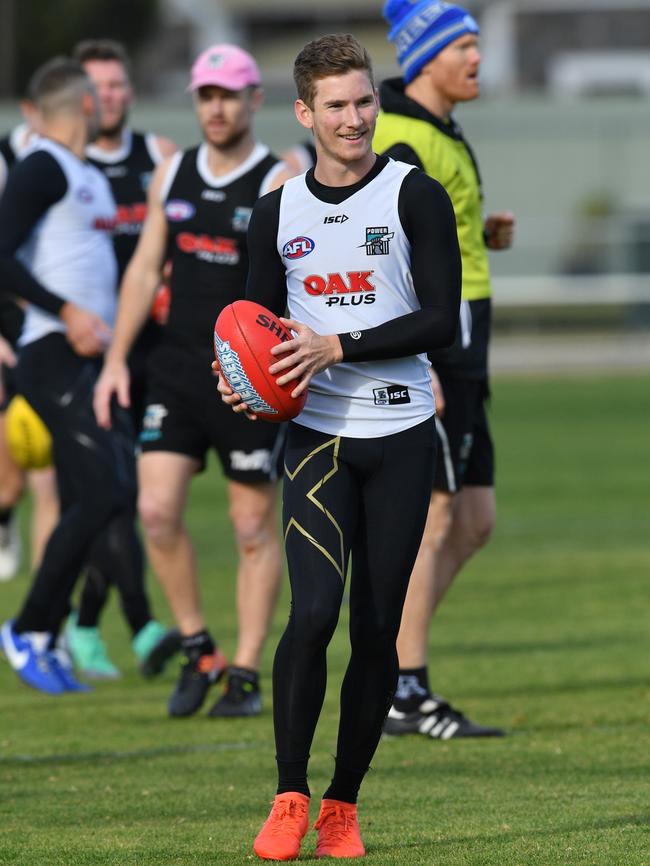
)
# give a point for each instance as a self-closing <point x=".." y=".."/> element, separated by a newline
<point x="390" y="395"/>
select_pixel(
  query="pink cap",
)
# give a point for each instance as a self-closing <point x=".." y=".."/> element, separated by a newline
<point x="224" y="66"/>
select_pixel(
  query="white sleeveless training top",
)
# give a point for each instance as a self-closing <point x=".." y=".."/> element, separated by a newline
<point x="347" y="270"/>
<point x="70" y="250"/>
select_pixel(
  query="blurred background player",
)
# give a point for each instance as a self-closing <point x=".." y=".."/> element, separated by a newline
<point x="127" y="159"/>
<point x="300" y="157"/>
<point x="56" y="252"/>
<point x="200" y="203"/>
<point x="437" y="49"/>
<point x="42" y="483"/>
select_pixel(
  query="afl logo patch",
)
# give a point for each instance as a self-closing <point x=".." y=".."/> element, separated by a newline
<point x="178" y="210"/>
<point x="85" y="195"/>
<point x="298" y="247"/>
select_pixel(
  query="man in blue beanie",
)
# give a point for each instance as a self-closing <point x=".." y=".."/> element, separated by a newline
<point x="437" y="50"/>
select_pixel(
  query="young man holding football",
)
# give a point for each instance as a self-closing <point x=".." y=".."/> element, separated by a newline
<point x="199" y="205"/>
<point x="377" y="287"/>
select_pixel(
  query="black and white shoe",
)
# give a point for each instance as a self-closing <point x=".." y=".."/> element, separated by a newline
<point x="436" y="718"/>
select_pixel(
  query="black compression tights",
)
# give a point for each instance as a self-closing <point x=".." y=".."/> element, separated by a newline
<point x="116" y="559"/>
<point x="106" y="567"/>
<point x="368" y="500"/>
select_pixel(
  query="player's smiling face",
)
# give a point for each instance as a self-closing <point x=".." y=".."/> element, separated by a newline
<point x="225" y="116"/>
<point x="454" y="71"/>
<point x="114" y="91"/>
<point x="343" y="115"/>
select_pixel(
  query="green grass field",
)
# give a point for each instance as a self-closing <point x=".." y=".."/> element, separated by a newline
<point x="546" y="634"/>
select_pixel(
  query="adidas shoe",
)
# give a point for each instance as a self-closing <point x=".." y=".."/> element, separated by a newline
<point x="88" y="651"/>
<point x="338" y="830"/>
<point x="242" y="695"/>
<point x="155" y="645"/>
<point x="27" y="654"/>
<point x="284" y="829"/>
<point x="436" y="718"/>
<point x="197" y="675"/>
<point x="10" y="549"/>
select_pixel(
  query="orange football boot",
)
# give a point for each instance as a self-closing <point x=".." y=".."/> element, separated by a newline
<point x="338" y="830"/>
<point x="284" y="829"/>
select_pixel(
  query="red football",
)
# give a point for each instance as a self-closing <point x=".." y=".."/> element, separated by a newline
<point x="244" y="334"/>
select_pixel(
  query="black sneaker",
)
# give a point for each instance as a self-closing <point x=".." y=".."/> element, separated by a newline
<point x="437" y="719"/>
<point x="197" y="675"/>
<point x="242" y="695"/>
<point x="156" y="657"/>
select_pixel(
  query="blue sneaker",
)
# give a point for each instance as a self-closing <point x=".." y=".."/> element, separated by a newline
<point x="30" y="660"/>
<point x="61" y="664"/>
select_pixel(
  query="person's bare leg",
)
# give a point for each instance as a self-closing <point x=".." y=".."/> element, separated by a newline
<point x="45" y="511"/>
<point x="451" y="537"/>
<point x="413" y="638"/>
<point x="12" y="477"/>
<point x="457" y="527"/>
<point x="259" y="572"/>
<point x="164" y="479"/>
<point x="474" y="515"/>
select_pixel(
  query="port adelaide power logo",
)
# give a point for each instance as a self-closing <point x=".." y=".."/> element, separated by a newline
<point x="378" y="240"/>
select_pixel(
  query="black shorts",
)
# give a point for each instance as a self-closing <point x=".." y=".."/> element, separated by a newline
<point x="146" y="343"/>
<point x="185" y="414"/>
<point x="465" y="449"/>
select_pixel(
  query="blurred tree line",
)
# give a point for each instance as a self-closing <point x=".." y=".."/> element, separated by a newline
<point x="32" y="31"/>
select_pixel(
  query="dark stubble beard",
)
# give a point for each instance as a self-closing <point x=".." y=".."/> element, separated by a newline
<point x="234" y="139"/>
<point x="114" y="131"/>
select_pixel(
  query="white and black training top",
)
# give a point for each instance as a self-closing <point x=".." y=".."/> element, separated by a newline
<point x="376" y="263"/>
<point x="56" y="218"/>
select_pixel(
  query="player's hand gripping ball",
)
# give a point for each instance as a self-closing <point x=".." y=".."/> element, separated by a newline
<point x="244" y="334"/>
<point x="29" y="440"/>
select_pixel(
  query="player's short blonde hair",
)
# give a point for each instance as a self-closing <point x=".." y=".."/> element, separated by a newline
<point x="334" y="54"/>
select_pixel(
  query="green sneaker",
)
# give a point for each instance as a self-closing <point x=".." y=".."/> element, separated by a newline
<point x="88" y="651"/>
<point x="154" y="645"/>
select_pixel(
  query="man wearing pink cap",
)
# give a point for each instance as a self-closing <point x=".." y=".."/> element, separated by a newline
<point x="199" y="206"/>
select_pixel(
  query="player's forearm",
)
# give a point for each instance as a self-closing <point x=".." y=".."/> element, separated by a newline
<point x="412" y="334"/>
<point x="16" y="280"/>
<point x="136" y="297"/>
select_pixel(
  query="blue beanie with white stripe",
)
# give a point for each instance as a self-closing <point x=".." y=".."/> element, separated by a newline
<point x="420" y="29"/>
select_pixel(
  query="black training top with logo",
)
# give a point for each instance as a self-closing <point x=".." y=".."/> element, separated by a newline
<point x="207" y="220"/>
<point x="128" y="171"/>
